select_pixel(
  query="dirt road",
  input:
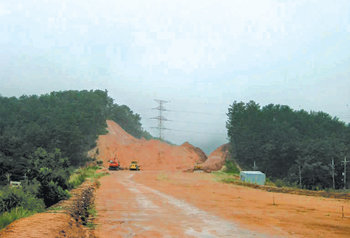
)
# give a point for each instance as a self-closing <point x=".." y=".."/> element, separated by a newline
<point x="130" y="209"/>
<point x="176" y="204"/>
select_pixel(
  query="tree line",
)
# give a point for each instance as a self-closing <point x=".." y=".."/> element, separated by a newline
<point x="44" y="138"/>
<point x="294" y="146"/>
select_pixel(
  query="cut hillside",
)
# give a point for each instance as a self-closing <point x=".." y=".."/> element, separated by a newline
<point x="216" y="159"/>
<point x="150" y="154"/>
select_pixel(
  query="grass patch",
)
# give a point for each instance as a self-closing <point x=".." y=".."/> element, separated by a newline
<point x="16" y="213"/>
<point x="221" y="176"/>
<point x="80" y="175"/>
<point x="280" y="187"/>
<point x="56" y="209"/>
<point x="92" y="215"/>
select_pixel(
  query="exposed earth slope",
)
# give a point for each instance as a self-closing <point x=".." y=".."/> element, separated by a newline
<point x="150" y="154"/>
<point x="216" y="159"/>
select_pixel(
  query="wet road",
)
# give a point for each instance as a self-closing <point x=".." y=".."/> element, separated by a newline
<point x="126" y="208"/>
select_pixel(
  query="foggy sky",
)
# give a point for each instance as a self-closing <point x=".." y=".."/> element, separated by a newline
<point x="199" y="55"/>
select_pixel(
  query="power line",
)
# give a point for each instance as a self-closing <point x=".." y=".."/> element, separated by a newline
<point x="192" y="122"/>
<point x="196" y="132"/>
<point x="160" y="117"/>
<point x="197" y="112"/>
<point x="199" y="132"/>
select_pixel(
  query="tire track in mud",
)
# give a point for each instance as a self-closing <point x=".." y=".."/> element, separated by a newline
<point x="160" y="215"/>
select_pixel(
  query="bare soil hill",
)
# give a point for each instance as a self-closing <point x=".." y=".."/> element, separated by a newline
<point x="150" y="154"/>
<point x="216" y="159"/>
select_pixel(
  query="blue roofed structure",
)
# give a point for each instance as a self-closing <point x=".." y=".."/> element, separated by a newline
<point x="255" y="177"/>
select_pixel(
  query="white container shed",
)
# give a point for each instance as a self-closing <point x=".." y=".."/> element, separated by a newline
<point x="255" y="177"/>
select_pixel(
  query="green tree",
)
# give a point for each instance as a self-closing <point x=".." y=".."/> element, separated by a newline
<point x="280" y="140"/>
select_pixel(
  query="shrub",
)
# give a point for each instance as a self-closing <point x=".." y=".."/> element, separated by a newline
<point x="16" y="197"/>
<point x="31" y="187"/>
<point x="231" y="167"/>
<point x="280" y="183"/>
<point x="269" y="182"/>
<point x="52" y="193"/>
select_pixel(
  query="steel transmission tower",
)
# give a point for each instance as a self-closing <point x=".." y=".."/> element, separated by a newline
<point x="160" y="117"/>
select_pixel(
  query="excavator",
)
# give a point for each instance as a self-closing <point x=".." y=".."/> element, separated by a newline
<point x="114" y="165"/>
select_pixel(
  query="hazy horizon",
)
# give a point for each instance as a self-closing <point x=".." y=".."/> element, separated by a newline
<point x="199" y="55"/>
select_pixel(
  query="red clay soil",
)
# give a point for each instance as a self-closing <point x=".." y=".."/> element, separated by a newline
<point x="127" y="208"/>
<point x="252" y="209"/>
<point x="176" y="204"/>
<point x="216" y="159"/>
<point x="56" y="222"/>
<point x="150" y="154"/>
<point x="44" y="225"/>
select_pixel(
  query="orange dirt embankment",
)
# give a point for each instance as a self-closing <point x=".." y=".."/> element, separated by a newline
<point x="58" y="221"/>
<point x="150" y="154"/>
<point x="44" y="225"/>
<point x="216" y="159"/>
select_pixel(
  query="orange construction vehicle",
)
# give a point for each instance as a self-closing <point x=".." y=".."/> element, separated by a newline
<point x="114" y="165"/>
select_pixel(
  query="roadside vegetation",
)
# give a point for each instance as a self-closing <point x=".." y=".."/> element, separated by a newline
<point x="18" y="202"/>
<point x="293" y="148"/>
<point x="81" y="174"/>
<point x="231" y="167"/>
<point x="15" y="213"/>
<point x="44" y="141"/>
<point x="233" y="178"/>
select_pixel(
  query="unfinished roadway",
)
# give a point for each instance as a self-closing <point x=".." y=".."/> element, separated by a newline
<point x="178" y="204"/>
<point x="127" y="208"/>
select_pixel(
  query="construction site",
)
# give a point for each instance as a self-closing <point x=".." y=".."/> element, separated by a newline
<point x="175" y="195"/>
<point x="174" y="118"/>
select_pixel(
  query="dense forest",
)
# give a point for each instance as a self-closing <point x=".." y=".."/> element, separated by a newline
<point x="294" y="146"/>
<point x="43" y="138"/>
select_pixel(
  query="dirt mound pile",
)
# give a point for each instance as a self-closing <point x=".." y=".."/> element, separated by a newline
<point x="150" y="154"/>
<point x="216" y="159"/>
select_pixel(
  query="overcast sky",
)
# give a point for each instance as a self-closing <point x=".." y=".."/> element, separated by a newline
<point x="200" y="55"/>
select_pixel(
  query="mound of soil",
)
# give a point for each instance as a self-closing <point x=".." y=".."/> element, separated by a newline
<point x="216" y="159"/>
<point x="150" y="154"/>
